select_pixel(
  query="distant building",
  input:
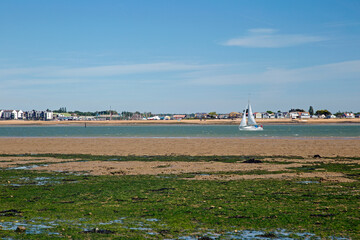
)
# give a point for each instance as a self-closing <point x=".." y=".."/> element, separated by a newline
<point x="179" y="116"/>
<point x="12" y="114"/>
<point x="280" y="114"/>
<point x="223" y="116"/>
<point x="294" y="115"/>
<point x="38" y="115"/>
<point x="267" y="115"/>
<point x="304" y="115"/>
<point x="258" y="115"/>
<point x="234" y="115"/>
<point x="348" y="115"/>
<point x="201" y="115"/>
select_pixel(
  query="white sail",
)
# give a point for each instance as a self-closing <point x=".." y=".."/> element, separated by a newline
<point x="243" y="120"/>
<point x="251" y="119"/>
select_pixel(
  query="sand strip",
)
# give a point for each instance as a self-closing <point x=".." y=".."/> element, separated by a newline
<point x="183" y="146"/>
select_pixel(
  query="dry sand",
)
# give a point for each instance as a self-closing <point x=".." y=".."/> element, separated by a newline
<point x="182" y="146"/>
<point x="185" y="121"/>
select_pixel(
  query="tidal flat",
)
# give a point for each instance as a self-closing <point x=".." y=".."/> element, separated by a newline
<point x="312" y="198"/>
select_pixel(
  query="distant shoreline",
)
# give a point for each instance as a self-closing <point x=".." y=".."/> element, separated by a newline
<point x="185" y="121"/>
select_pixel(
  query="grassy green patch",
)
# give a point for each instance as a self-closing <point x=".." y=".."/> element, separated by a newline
<point x="157" y="207"/>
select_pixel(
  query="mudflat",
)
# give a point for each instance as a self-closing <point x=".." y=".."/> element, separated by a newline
<point x="182" y="146"/>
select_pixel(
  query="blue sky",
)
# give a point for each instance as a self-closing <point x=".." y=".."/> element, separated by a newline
<point x="180" y="56"/>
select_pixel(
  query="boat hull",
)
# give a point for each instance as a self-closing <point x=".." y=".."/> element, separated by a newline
<point x="251" y="128"/>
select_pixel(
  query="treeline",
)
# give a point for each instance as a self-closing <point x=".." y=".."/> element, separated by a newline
<point x="80" y="113"/>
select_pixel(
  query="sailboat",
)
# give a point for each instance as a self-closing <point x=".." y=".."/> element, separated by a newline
<point x="251" y="125"/>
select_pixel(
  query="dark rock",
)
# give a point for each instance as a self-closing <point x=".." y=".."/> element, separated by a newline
<point x="239" y="216"/>
<point x="161" y="189"/>
<point x="164" y="232"/>
<point x="10" y="213"/>
<point x="20" y="229"/>
<point x="322" y="215"/>
<point x="317" y="156"/>
<point x="267" y="235"/>
<point x="205" y="238"/>
<point x="252" y="160"/>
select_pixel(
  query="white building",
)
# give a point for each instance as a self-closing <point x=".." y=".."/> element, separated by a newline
<point x="294" y="115"/>
<point x="12" y="114"/>
<point x="280" y="114"/>
<point x="349" y="115"/>
<point x="48" y="115"/>
<point x="258" y="115"/>
<point x="304" y="115"/>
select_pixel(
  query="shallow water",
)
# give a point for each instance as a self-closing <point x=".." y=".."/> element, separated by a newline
<point x="41" y="225"/>
<point x="184" y="131"/>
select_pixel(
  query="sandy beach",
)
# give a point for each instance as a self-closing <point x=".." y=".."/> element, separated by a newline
<point x="196" y="121"/>
<point x="182" y="146"/>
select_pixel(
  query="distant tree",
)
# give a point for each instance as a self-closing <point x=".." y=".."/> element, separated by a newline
<point x="311" y="110"/>
<point x="212" y="114"/>
<point x="339" y="114"/>
<point x="279" y="111"/>
<point x="297" y="110"/>
<point x="61" y="110"/>
<point x="323" y="112"/>
<point x="270" y="112"/>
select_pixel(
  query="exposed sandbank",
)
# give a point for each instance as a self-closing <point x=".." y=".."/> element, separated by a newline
<point x="182" y="146"/>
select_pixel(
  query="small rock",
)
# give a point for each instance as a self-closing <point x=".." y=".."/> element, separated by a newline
<point x="252" y="160"/>
<point x="317" y="156"/>
<point x="205" y="238"/>
<point x="20" y="229"/>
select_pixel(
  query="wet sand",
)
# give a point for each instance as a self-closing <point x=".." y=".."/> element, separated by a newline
<point x="182" y="146"/>
<point x="202" y="170"/>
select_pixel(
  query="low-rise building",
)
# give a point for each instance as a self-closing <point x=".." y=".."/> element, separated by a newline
<point x="348" y="115"/>
<point x="294" y="115"/>
<point x="267" y="115"/>
<point x="201" y="115"/>
<point x="280" y="115"/>
<point x="223" y="116"/>
<point x="12" y="114"/>
<point x="257" y="114"/>
<point x="234" y="115"/>
<point x="39" y="115"/>
<point x="179" y="116"/>
<point x="304" y="115"/>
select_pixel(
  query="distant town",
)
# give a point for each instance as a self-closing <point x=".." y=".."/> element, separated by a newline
<point x="63" y="115"/>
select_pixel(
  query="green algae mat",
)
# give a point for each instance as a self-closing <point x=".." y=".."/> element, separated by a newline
<point x="52" y="205"/>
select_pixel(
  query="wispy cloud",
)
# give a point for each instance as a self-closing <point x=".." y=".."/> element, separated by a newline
<point x="342" y="71"/>
<point x="36" y="76"/>
<point x="269" y="38"/>
<point x="102" y="71"/>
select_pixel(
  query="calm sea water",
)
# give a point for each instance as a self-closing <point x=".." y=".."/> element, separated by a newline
<point x="184" y="131"/>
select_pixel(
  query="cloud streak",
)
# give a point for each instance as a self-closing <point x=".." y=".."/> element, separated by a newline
<point x="103" y="71"/>
<point x="268" y="38"/>
<point x="342" y="71"/>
